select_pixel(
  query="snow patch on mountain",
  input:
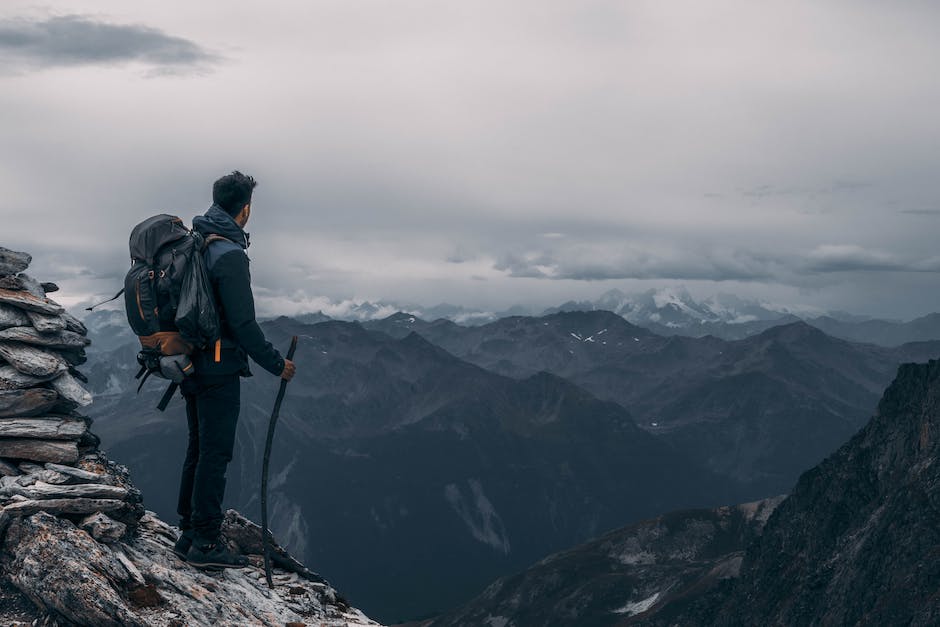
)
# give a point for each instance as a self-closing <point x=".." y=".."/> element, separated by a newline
<point x="638" y="607"/>
<point x="478" y="513"/>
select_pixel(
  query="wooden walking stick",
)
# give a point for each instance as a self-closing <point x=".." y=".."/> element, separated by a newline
<point x="265" y="534"/>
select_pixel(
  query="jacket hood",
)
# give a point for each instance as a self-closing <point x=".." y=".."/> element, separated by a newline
<point x="217" y="222"/>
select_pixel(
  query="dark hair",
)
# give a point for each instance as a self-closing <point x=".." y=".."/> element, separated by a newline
<point x="233" y="191"/>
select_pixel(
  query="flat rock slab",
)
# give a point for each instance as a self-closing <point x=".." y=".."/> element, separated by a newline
<point x="41" y="490"/>
<point x="32" y="286"/>
<point x="30" y="302"/>
<point x="54" y="339"/>
<point x="12" y="261"/>
<point x="12" y="283"/>
<point x="30" y="402"/>
<point x="70" y="389"/>
<point x="31" y="359"/>
<point x="74" y="324"/>
<point x="62" y="506"/>
<point x="44" y="323"/>
<point x="59" y="451"/>
<point x="81" y="475"/>
<point x="13" y="379"/>
<point x="53" y="428"/>
<point x="12" y="317"/>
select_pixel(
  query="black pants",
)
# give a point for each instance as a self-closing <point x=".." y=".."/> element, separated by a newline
<point x="212" y="405"/>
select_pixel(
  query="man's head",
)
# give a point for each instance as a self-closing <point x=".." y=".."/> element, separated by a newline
<point x="232" y="192"/>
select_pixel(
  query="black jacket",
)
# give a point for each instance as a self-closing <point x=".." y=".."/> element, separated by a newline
<point x="227" y="264"/>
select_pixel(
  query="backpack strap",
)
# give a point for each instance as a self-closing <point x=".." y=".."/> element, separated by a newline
<point x="167" y="396"/>
<point x="214" y="237"/>
<point x="105" y="301"/>
<point x="213" y="254"/>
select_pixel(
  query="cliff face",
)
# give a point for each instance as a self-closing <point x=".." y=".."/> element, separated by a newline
<point x="664" y="561"/>
<point x="858" y="540"/>
<point x="76" y="545"/>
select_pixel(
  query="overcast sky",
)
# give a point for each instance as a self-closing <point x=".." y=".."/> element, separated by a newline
<point x="487" y="153"/>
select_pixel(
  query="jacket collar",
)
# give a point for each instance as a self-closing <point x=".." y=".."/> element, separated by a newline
<point x="217" y="222"/>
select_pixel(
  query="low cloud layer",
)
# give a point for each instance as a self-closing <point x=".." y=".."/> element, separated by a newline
<point x="76" y="40"/>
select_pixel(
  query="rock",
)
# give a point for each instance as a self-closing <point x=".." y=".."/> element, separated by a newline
<point x="51" y="427"/>
<point x="7" y="469"/>
<point x="65" y="570"/>
<point x="29" y="402"/>
<point x="42" y="490"/>
<point x="80" y="475"/>
<point x="75" y="372"/>
<point x="12" y="317"/>
<point x="137" y="580"/>
<point x="74" y="324"/>
<point x="12" y="283"/>
<point x="102" y="528"/>
<point x="62" y="506"/>
<point x="70" y="389"/>
<point x="30" y="302"/>
<point x="46" y="476"/>
<point x="44" y="323"/>
<point x="40" y="450"/>
<point x="32" y="286"/>
<point x="246" y="538"/>
<point x="13" y="379"/>
<point x="49" y="287"/>
<point x="59" y="339"/>
<point x="74" y="357"/>
<point x="32" y="360"/>
<point x="12" y="262"/>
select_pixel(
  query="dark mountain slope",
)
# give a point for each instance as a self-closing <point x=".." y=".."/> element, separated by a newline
<point x="882" y="332"/>
<point x="858" y="540"/>
<point x="623" y="573"/>
<point x="428" y="476"/>
<point x="856" y="543"/>
<point x="760" y="410"/>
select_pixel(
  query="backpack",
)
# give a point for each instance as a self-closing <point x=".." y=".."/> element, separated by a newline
<point x="168" y="299"/>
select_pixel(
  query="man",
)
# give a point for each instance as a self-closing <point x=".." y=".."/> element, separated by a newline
<point x="212" y="393"/>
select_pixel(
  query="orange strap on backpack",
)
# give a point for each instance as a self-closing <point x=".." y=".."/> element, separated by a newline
<point x="218" y="350"/>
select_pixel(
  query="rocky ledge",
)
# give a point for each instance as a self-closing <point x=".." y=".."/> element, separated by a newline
<point x="76" y="545"/>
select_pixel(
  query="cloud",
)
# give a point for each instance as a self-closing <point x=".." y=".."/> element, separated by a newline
<point x="624" y="261"/>
<point x="669" y="262"/>
<point x="851" y="258"/>
<point x="921" y="212"/>
<point x="76" y="40"/>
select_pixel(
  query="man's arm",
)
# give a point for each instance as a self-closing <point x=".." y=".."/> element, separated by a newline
<point x="234" y="285"/>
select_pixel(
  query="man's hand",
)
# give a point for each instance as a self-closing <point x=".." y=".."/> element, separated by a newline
<point x="289" y="369"/>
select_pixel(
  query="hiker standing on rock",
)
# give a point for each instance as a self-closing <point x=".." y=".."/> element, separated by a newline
<point x="213" y="393"/>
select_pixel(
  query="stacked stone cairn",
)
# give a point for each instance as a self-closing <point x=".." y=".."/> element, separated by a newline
<point x="76" y="545"/>
<point x="49" y="460"/>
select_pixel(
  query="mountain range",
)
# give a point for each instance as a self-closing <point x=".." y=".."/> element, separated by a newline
<point x="758" y="410"/>
<point x="395" y="460"/>
<point x="665" y="311"/>
<point x="854" y="543"/>
<point x="408" y="446"/>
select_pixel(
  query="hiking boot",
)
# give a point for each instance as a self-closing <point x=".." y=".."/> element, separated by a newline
<point x="214" y="555"/>
<point x="182" y="544"/>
